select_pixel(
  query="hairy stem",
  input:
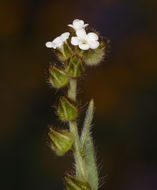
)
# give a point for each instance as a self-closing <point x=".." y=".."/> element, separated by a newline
<point x="79" y="161"/>
<point x="72" y="89"/>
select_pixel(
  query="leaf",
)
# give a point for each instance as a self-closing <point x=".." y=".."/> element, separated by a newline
<point x="87" y="124"/>
<point x="87" y="149"/>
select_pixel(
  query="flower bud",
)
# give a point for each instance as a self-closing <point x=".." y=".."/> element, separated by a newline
<point x="57" y="77"/>
<point x="74" y="67"/>
<point x="60" y="141"/>
<point x="73" y="183"/>
<point x="67" y="111"/>
<point x="95" y="56"/>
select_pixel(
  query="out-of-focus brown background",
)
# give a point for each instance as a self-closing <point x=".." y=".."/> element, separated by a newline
<point x="124" y="88"/>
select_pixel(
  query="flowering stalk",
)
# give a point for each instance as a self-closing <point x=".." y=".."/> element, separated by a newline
<point x="82" y="49"/>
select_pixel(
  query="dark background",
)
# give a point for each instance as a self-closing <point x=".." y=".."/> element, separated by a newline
<point x="124" y="88"/>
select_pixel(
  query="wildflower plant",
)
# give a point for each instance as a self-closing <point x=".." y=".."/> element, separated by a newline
<point x="76" y="50"/>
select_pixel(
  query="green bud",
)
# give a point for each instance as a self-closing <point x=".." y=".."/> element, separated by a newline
<point x="73" y="183"/>
<point x="74" y="67"/>
<point x="60" y="141"/>
<point x="67" y="111"/>
<point x="94" y="57"/>
<point x="57" y="77"/>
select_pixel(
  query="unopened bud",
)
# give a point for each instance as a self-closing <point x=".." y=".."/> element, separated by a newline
<point x="57" y="77"/>
<point x="74" y="67"/>
<point x="95" y="56"/>
<point x="73" y="183"/>
<point x="67" y="111"/>
<point x="60" y="141"/>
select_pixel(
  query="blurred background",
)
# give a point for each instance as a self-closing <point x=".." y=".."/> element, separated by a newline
<point x="124" y="88"/>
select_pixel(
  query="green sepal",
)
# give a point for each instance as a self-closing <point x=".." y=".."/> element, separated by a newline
<point x="81" y="52"/>
<point x="94" y="57"/>
<point x="67" y="51"/>
<point x="60" y="55"/>
<point x="64" y="53"/>
<point x="67" y="111"/>
<point x="74" y="67"/>
<point x="60" y="141"/>
<point x="57" y="77"/>
<point x="73" y="183"/>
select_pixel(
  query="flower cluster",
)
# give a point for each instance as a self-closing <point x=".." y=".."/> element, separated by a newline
<point x="83" y="40"/>
<point x="78" y="48"/>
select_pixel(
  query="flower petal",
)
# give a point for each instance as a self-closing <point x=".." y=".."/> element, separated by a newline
<point x="78" y="24"/>
<point x="65" y="36"/>
<point x="75" y="41"/>
<point x="49" y="45"/>
<point x="70" y="25"/>
<point x="75" y="21"/>
<point x="86" y="25"/>
<point x="83" y="46"/>
<point x="94" y="44"/>
<point x="58" y="41"/>
<point x="92" y="36"/>
<point x="81" y="34"/>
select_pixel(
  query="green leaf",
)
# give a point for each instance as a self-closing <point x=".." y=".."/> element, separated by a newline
<point x="87" y="125"/>
<point x="90" y="163"/>
<point x="87" y="148"/>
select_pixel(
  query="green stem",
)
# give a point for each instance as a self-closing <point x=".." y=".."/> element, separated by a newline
<point x="79" y="161"/>
<point x="72" y="89"/>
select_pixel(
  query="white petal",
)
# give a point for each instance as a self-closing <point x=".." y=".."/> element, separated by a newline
<point x="54" y="46"/>
<point x="92" y="36"/>
<point x="86" y="25"/>
<point x="48" y="44"/>
<point x="71" y="25"/>
<point x="75" y="21"/>
<point x="75" y="41"/>
<point x="94" y="44"/>
<point x="58" y="41"/>
<point x="65" y="36"/>
<point x="78" y="24"/>
<point x="83" y="46"/>
<point x="81" y="34"/>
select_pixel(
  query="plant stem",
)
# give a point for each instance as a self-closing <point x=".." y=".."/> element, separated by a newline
<point x="79" y="161"/>
<point x="72" y="89"/>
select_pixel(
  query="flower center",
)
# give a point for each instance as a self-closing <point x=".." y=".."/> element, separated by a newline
<point x="84" y="42"/>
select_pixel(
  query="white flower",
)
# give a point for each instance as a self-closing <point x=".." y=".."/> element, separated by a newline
<point x="59" y="41"/>
<point x="85" y="41"/>
<point x="78" y="24"/>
